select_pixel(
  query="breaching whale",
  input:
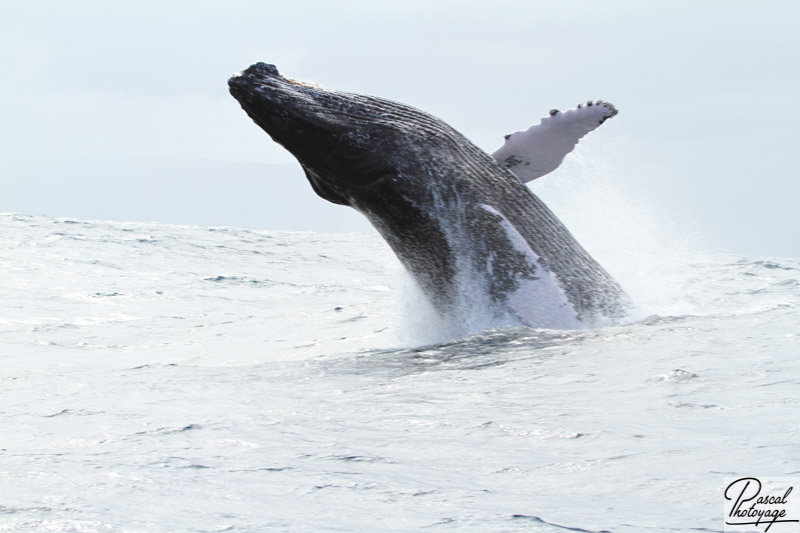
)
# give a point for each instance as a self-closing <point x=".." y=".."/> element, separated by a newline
<point x="469" y="231"/>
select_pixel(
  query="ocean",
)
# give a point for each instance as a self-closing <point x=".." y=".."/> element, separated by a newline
<point x="162" y="378"/>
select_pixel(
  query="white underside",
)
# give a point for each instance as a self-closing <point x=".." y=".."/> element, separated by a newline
<point x="538" y="302"/>
<point x="540" y="149"/>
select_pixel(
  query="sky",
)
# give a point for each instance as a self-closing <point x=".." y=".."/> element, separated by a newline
<point x="119" y="110"/>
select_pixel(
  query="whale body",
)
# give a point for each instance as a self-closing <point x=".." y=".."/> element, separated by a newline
<point x="469" y="231"/>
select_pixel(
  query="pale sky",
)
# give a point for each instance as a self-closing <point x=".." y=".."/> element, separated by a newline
<point x="119" y="109"/>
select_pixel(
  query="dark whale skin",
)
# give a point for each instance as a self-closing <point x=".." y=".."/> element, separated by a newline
<point x="444" y="206"/>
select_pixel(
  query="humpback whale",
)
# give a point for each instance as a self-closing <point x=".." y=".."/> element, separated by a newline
<point x="469" y="231"/>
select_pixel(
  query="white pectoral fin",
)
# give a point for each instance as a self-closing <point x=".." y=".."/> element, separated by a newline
<point x="540" y="149"/>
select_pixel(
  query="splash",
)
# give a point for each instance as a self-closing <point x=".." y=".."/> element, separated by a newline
<point x="609" y="209"/>
<point x="647" y="251"/>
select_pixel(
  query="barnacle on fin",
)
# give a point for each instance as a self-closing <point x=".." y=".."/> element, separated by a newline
<point x="610" y="107"/>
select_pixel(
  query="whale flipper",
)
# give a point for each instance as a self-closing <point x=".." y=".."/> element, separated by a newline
<point x="539" y="150"/>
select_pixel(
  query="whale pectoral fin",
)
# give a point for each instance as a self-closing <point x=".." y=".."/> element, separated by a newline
<point x="539" y="150"/>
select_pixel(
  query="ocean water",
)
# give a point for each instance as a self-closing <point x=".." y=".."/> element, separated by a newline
<point x="161" y="378"/>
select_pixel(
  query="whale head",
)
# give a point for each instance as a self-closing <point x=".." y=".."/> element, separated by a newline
<point x="348" y="144"/>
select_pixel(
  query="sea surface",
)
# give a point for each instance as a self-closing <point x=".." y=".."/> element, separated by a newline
<point x="161" y="378"/>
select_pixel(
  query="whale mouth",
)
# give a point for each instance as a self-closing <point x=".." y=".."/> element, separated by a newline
<point x="284" y="110"/>
<point x="264" y="80"/>
<point x="247" y="84"/>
